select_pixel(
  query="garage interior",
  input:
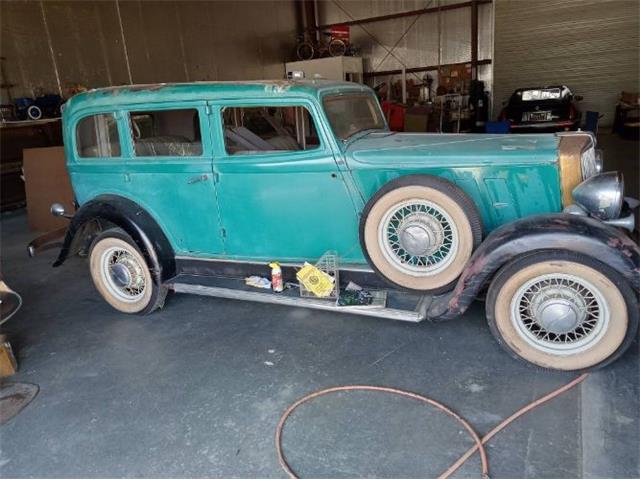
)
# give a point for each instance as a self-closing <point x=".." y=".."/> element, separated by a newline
<point x="198" y="388"/>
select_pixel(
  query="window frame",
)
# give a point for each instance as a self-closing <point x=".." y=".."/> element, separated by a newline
<point x="199" y="106"/>
<point x="93" y="113"/>
<point x="221" y="146"/>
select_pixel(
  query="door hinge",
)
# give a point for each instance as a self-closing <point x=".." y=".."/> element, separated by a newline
<point x="223" y="233"/>
<point x="216" y="177"/>
<point x="207" y="109"/>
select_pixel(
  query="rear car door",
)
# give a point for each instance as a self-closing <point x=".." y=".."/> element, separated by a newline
<point x="169" y="172"/>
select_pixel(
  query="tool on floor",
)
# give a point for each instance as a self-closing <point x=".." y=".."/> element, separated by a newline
<point x="478" y="442"/>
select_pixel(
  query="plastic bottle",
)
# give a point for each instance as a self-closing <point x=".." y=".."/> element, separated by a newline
<point x="276" y="277"/>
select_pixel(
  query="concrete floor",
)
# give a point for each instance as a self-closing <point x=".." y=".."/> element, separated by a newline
<point x="197" y="389"/>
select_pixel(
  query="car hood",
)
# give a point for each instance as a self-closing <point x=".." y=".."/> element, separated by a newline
<point x="380" y="148"/>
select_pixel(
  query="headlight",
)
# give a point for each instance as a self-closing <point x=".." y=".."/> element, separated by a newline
<point x="601" y="195"/>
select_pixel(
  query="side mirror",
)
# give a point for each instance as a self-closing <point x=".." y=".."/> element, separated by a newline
<point x="57" y="210"/>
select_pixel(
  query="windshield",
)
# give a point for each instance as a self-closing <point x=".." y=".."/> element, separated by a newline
<point x="350" y="114"/>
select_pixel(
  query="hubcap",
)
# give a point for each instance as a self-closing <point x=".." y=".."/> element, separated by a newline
<point x="559" y="316"/>
<point x="120" y="275"/>
<point x="418" y="237"/>
<point x="123" y="275"/>
<point x="559" y="313"/>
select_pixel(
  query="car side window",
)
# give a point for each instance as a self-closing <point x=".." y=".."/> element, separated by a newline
<point x="97" y="136"/>
<point x="268" y="129"/>
<point x="173" y="133"/>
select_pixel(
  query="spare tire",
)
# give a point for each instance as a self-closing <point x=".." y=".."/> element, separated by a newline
<point x="419" y="231"/>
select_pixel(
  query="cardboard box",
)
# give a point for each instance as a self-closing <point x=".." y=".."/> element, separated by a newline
<point x="46" y="182"/>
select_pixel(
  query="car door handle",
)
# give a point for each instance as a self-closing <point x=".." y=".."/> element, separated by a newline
<point x="199" y="178"/>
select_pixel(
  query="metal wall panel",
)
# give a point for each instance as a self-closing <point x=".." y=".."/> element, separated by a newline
<point x="420" y="47"/>
<point x="52" y="44"/>
<point x="592" y="46"/>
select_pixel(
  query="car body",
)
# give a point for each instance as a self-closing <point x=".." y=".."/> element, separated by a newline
<point x="220" y="178"/>
<point x="488" y="168"/>
<point x="542" y="109"/>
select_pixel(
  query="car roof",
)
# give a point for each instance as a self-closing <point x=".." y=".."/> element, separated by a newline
<point x="167" y="92"/>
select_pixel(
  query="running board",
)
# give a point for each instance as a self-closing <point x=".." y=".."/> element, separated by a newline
<point x="415" y="315"/>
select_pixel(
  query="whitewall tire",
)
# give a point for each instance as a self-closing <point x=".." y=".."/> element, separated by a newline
<point x="418" y="233"/>
<point x="121" y="275"/>
<point x="562" y="311"/>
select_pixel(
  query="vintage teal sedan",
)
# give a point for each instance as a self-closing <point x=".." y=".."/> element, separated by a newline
<point x="214" y="179"/>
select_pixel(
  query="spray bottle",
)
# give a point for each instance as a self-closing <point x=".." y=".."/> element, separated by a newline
<point x="276" y="277"/>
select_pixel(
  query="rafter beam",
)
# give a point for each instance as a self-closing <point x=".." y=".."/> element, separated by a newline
<point x="409" y="13"/>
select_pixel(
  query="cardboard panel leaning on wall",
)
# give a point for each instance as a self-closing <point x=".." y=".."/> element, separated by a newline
<point x="46" y="182"/>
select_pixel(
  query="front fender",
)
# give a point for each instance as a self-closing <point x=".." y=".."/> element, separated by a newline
<point x="136" y="222"/>
<point x="541" y="232"/>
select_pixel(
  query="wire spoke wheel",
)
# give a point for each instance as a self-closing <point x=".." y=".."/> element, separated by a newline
<point x="418" y="236"/>
<point x="562" y="310"/>
<point x="123" y="275"/>
<point x="559" y="313"/>
<point x="419" y="231"/>
<point x="305" y="51"/>
<point x="337" y="47"/>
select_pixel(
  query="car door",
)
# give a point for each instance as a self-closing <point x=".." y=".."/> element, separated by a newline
<point x="279" y="201"/>
<point x="169" y="173"/>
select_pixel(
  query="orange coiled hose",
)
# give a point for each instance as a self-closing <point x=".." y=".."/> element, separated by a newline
<point x="479" y="442"/>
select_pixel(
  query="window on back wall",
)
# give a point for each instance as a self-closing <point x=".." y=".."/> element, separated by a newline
<point x="268" y="129"/>
<point x="97" y="136"/>
<point x="166" y="133"/>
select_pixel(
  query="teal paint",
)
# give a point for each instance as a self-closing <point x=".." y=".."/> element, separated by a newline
<point x="293" y="206"/>
<point x="503" y="203"/>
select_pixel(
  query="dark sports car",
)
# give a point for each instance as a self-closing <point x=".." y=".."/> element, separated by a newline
<point x="542" y="109"/>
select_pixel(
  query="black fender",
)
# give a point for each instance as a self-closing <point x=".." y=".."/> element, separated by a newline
<point x="136" y="222"/>
<point x="561" y="231"/>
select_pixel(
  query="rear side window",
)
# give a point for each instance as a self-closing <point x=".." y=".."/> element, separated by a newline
<point x="268" y="129"/>
<point x="171" y="133"/>
<point x="97" y="136"/>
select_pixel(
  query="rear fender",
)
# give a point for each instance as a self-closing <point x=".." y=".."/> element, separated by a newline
<point x="135" y="221"/>
<point x="541" y="232"/>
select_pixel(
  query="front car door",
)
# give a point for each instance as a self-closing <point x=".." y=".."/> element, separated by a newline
<point x="280" y="193"/>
